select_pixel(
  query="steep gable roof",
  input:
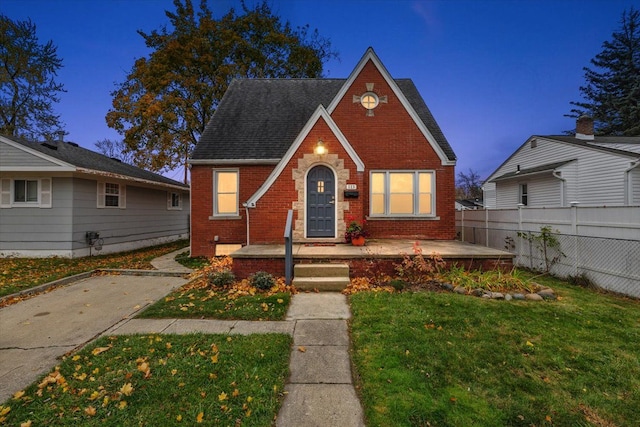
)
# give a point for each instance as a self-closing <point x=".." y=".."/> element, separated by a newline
<point x="91" y="162"/>
<point x="258" y="119"/>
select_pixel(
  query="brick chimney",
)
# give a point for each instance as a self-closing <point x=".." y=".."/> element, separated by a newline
<point x="584" y="127"/>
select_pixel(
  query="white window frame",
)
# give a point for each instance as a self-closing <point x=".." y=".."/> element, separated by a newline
<point x="8" y="196"/>
<point x="214" y="190"/>
<point x="416" y="194"/>
<point x="171" y="205"/>
<point x="523" y="192"/>
<point x="102" y="195"/>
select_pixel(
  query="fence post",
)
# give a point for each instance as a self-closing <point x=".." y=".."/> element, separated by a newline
<point x="486" y="227"/>
<point x="574" y="230"/>
<point x="520" y="205"/>
<point x="462" y="223"/>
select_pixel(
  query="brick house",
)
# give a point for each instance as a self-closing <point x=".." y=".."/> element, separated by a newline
<point x="365" y="147"/>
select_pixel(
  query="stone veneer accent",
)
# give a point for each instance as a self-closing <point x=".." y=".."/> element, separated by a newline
<point x="299" y="176"/>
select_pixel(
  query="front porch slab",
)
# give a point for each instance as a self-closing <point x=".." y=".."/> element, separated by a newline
<point x="378" y="254"/>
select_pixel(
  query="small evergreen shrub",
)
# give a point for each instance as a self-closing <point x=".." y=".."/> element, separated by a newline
<point x="262" y="280"/>
<point x="220" y="279"/>
<point x="398" y="284"/>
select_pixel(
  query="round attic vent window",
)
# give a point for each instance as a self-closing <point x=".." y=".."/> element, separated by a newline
<point x="369" y="100"/>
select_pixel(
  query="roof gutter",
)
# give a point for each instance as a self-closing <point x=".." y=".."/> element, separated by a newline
<point x="130" y="178"/>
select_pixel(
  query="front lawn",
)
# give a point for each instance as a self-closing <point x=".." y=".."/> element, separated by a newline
<point x="160" y="380"/>
<point x="190" y="303"/>
<point x="443" y="359"/>
<point x="17" y="274"/>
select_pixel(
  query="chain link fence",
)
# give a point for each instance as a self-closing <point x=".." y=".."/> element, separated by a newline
<point x="612" y="264"/>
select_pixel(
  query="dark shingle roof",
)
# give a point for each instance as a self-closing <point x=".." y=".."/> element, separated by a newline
<point x="549" y="167"/>
<point x="260" y="118"/>
<point x="81" y="157"/>
<point x="597" y="140"/>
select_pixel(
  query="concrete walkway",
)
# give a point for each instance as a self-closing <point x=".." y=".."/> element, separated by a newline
<point x="35" y="333"/>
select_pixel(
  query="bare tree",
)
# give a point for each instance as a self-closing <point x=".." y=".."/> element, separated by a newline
<point x="469" y="185"/>
<point x="116" y="150"/>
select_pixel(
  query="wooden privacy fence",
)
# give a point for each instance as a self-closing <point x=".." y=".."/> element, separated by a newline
<point x="601" y="244"/>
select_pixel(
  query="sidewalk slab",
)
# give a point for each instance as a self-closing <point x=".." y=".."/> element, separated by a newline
<point x="325" y="305"/>
<point x="248" y="327"/>
<point x="194" y="326"/>
<point x="140" y="326"/>
<point x="168" y="263"/>
<point x="320" y="405"/>
<point x="321" y="332"/>
<point x="320" y="365"/>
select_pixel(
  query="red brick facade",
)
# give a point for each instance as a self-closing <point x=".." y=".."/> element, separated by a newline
<point x="388" y="140"/>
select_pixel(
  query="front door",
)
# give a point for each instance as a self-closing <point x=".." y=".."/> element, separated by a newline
<point x="321" y="203"/>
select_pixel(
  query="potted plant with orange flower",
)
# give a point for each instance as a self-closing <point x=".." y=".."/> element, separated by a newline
<point x="355" y="233"/>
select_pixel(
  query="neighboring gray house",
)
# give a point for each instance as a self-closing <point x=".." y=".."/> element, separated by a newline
<point x="59" y="199"/>
<point x="555" y="171"/>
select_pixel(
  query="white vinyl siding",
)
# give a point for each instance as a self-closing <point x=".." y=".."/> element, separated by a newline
<point x="25" y="192"/>
<point x="402" y="193"/>
<point x="635" y="187"/>
<point x="594" y="178"/>
<point x="225" y="192"/>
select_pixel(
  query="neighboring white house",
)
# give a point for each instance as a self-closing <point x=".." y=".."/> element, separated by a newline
<point x="557" y="170"/>
<point x="59" y="199"/>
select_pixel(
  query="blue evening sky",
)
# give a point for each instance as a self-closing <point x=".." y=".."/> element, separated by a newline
<point x="492" y="72"/>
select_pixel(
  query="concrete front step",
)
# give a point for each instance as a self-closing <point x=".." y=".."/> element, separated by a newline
<point x="321" y="270"/>
<point x="323" y="277"/>
<point x="322" y="284"/>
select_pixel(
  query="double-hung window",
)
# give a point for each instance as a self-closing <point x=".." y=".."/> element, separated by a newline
<point x="402" y="193"/>
<point x="111" y="195"/>
<point x="225" y="192"/>
<point x="25" y="191"/>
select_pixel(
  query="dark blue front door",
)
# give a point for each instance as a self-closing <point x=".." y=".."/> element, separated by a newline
<point x="321" y="204"/>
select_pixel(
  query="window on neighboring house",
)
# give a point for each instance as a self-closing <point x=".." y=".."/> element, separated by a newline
<point x="174" y="201"/>
<point x="27" y="192"/>
<point x="111" y="195"/>
<point x="402" y="193"/>
<point x="524" y="194"/>
<point x="225" y="192"/>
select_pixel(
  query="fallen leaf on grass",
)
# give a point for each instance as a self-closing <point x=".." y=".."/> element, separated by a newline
<point x="26" y="424"/>
<point x="200" y="417"/>
<point x="98" y="350"/>
<point x="222" y="396"/>
<point x="18" y="394"/>
<point x="126" y="389"/>
<point x="90" y="410"/>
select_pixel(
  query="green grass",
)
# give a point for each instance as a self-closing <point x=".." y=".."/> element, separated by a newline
<point x="17" y="274"/>
<point x="206" y="304"/>
<point x="189" y="262"/>
<point x="451" y="360"/>
<point x="229" y="380"/>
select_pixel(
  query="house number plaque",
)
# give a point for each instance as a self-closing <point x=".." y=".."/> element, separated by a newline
<point x="351" y="187"/>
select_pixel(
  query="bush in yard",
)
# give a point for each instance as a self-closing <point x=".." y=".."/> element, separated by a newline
<point x="262" y="280"/>
<point x="220" y="279"/>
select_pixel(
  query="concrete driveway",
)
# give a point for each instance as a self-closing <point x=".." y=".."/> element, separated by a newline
<point x="36" y="332"/>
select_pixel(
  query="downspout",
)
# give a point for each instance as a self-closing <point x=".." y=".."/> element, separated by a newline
<point x="628" y="196"/>
<point x="564" y="182"/>
<point x="246" y="209"/>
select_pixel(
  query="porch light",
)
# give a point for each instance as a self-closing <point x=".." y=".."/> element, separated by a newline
<point x="320" y="149"/>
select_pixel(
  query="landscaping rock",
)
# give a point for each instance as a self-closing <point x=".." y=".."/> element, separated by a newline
<point x="518" y="296"/>
<point x="487" y="296"/>
<point x="508" y="297"/>
<point x="547" y="293"/>
<point x="533" y="297"/>
<point x="447" y="286"/>
<point x="497" y="295"/>
<point x="460" y="290"/>
<point x="477" y="292"/>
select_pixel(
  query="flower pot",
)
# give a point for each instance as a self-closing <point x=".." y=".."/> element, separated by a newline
<point x="357" y="241"/>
